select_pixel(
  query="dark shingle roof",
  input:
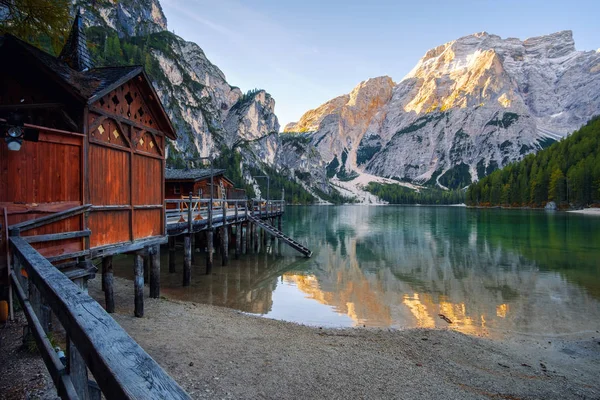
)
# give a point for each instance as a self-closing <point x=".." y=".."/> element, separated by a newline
<point x="89" y="85"/>
<point x="75" y="51"/>
<point x="190" y="174"/>
<point x="85" y="84"/>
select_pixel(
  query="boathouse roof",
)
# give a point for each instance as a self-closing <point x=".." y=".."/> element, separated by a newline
<point x="195" y="175"/>
<point x="89" y="85"/>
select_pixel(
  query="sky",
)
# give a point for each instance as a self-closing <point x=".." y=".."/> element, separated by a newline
<point x="306" y="52"/>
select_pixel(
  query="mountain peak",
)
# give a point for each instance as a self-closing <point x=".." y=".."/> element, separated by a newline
<point x="554" y="45"/>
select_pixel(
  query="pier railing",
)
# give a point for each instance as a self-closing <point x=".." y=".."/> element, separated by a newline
<point x="195" y="208"/>
<point x="94" y="340"/>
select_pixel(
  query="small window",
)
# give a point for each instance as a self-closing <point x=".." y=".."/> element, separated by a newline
<point x="177" y="190"/>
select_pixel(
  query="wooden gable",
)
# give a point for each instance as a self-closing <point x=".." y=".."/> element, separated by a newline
<point x="136" y="102"/>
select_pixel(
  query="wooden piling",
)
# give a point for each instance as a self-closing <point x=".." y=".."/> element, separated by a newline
<point x="155" y="272"/>
<point x="224" y="245"/>
<point x="193" y="249"/>
<point x="255" y="227"/>
<point x="244" y="234"/>
<point x="171" y="254"/>
<point x="107" y="279"/>
<point x="279" y="222"/>
<point x="187" y="259"/>
<point x="138" y="285"/>
<point x="238" y="241"/>
<point x="146" y="267"/>
<point x="209" y="251"/>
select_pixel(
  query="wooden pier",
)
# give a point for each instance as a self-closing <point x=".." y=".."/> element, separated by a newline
<point x="245" y="220"/>
<point x="82" y="178"/>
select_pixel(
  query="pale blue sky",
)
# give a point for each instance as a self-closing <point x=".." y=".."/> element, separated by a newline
<point x="306" y="52"/>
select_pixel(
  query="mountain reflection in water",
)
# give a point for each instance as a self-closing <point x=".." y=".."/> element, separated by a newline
<point x="488" y="271"/>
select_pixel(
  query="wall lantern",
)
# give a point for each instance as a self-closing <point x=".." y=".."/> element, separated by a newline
<point x="15" y="132"/>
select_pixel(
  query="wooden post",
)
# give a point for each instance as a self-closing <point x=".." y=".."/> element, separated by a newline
<point x="209" y="251"/>
<point x="279" y="224"/>
<point x="138" y="285"/>
<point x="255" y="227"/>
<point x="244" y="233"/>
<point x="76" y="366"/>
<point x="187" y="259"/>
<point x="146" y="267"/>
<point x="171" y="254"/>
<point x="155" y="272"/>
<point x="224" y="245"/>
<point x="107" y="278"/>
<point x="238" y="240"/>
<point x="193" y="244"/>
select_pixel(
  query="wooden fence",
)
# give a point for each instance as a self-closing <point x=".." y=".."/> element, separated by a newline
<point x="95" y="341"/>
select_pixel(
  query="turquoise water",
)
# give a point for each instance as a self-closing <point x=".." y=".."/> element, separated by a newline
<point x="489" y="272"/>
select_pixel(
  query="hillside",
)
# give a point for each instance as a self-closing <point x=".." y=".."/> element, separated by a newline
<point x="468" y="107"/>
<point x="211" y="116"/>
<point x="567" y="173"/>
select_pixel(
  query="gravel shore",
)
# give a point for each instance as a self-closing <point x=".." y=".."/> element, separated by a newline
<point x="587" y="211"/>
<point x="215" y="352"/>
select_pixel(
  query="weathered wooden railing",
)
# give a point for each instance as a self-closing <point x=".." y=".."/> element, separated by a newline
<point x="264" y="208"/>
<point x="221" y="210"/>
<point x="201" y="209"/>
<point x="121" y="368"/>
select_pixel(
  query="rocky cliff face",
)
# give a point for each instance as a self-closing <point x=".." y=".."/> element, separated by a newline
<point x="468" y="107"/>
<point x="127" y="17"/>
<point x="208" y="113"/>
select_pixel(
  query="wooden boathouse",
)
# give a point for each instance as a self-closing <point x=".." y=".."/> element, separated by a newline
<point x="180" y="182"/>
<point x="82" y="177"/>
<point x="82" y="161"/>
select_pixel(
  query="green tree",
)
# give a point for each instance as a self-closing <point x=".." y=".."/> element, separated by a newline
<point x="556" y="190"/>
<point x="43" y="23"/>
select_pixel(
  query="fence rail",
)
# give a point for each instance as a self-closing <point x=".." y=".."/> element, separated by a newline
<point x="121" y="368"/>
<point x="180" y="210"/>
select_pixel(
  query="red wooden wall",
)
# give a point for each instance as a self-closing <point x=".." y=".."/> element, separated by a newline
<point x="126" y="173"/>
<point x="44" y="177"/>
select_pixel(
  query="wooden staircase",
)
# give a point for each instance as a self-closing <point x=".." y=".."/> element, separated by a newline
<point x="280" y="235"/>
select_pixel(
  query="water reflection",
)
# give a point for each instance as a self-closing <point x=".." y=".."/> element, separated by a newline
<point x="487" y="271"/>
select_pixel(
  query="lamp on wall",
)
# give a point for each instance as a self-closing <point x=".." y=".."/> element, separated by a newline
<point x="15" y="132"/>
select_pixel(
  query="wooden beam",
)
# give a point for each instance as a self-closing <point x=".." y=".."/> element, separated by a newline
<point x="96" y="333"/>
<point x="125" y="121"/>
<point x="75" y="363"/>
<point x="57" y="370"/>
<point x="126" y="247"/>
<point x="66" y="256"/>
<point x="57" y="236"/>
<point x="31" y="106"/>
<point x="36" y="223"/>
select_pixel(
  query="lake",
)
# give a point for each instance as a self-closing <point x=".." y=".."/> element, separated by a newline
<point x="490" y="272"/>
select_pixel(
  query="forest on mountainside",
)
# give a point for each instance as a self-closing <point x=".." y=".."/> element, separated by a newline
<point x="396" y="194"/>
<point x="567" y="173"/>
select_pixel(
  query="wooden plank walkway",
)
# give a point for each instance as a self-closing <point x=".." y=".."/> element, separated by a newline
<point x="280" y="235"/>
